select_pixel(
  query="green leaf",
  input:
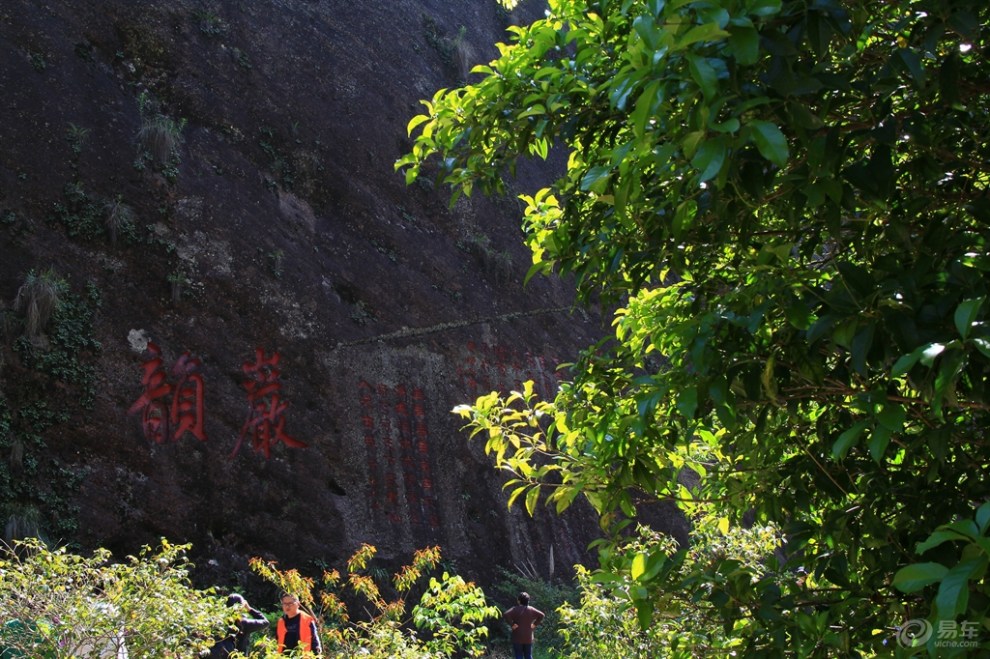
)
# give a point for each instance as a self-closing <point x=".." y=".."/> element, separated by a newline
<point x="820" y="328"/>
<point x="531" y="499"/>
<point x="914" y="577"/>
<point x="539" y="147"/>
<point x="645" y="27"/>
<point x="799" y="315"/>
<point x="644" y="612"/>
<point x="706" y="32"/>
<point x="930" y="352"/>
<point x="847" y="439"/>
<point x="415" y="121"/>
<point x="764" y="8"/>
<point x="964" y="527"/>
<point x="953" y="592"/>
<point x="644" y="108"/>
<point x="912" y="62"/>
<point x="515" y="494"/>
<point x="532" y="111"/>
<point x="937" y="538"/>
<point x="906" y="362"/>
<point x="687" y="402"/>
<point x="596" y="179"/>
<point x="966" y="314"/>
<point x="819" y="33"/>
<point x="605" y="577"/>
<point x="983" y="346"/>
<point x="983" y="517"/>
<point x="684" y="217"/>
<point x="770" y="141"/>
<point x="564" y="496"/>
<point x="730" y="125"/>
<point x="710" y="157"/>
<point x="744" y="44"/>
<point x="861" y="345"/>
<point x="892" y="416"/>
<point x="878" y="443"/>
<point x="945" y="380"/>
<point x="691" y="142"/>
<point x="638" y="567"/>
<point x="857" y="279"/>
<point x="624" y="84"/>
<point x="845" y="333"/>
<point x="703" y="74"/>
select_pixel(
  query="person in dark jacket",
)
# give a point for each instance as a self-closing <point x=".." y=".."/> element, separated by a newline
<point x="523" y="619"/>
<point x="251" y="620"/>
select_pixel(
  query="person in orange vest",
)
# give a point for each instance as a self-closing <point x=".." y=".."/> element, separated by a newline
<point x="296" y="629"/>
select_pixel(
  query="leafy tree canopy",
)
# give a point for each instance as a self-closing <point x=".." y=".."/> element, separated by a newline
<point x="786" y="204"/>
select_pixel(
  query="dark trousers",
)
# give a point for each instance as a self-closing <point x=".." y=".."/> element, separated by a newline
<point x="523" y="651"/>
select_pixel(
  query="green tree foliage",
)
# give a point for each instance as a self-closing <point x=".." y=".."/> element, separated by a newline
<point x="448" y="621"/>
<point x="683" y="624"/>
<point x="56" y="604"/>
<point x="786" y="203"/>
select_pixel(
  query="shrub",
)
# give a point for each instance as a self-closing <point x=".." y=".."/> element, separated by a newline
<point x="614" y="621"/>
<point x="450" y="614"/>
<point x="56" y="604"/>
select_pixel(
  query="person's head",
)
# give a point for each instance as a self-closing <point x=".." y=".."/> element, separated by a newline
<point x="236" y="600"/>
<point x="524" y="599"/>
<point x="290" y="605"/>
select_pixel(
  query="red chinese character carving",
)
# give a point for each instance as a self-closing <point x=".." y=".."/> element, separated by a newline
<point x="151" y="404"/>
<point x="265" y="423"/>
<point x="161" y="421"/>
<point x="187" y="405"/>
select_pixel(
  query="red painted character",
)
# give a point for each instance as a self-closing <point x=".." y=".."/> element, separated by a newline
<point x="154" y="410"/>
<point x="265" y="422"/>
<point x="160" y="420"/>
<point x="187" y="405"/>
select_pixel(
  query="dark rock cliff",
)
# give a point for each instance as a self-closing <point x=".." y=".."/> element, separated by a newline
<point x="217" y="178"/>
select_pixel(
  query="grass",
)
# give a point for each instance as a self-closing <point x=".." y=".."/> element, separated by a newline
<point x="160" y="137"/>
<point x="118" y="217"/>
<point x="497" y="263"/>
<point x="38" y="297"/>
<point x="23" y="521"/>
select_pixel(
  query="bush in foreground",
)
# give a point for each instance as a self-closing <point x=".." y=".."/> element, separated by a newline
<point x="56" y="604"/>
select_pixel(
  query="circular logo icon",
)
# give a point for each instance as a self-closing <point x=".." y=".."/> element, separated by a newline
<point x="914" y="633"/>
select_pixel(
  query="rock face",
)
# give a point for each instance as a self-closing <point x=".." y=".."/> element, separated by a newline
<point x="215" y="179"/>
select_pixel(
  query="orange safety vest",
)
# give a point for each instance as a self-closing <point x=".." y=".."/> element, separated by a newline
<point x="305" y="633"/>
